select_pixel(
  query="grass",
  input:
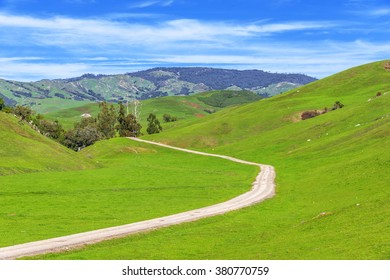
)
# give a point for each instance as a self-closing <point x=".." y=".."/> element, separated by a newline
<point x="136" y="182"/>
<point x="24" y="150"/>
<point x="332" y="178"/>
<point x="183" y="107"/>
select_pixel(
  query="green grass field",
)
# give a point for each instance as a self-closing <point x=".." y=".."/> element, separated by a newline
<point x="333" y="178"/>
<point x="135" y="182"/>
<point x="24" y="150"/>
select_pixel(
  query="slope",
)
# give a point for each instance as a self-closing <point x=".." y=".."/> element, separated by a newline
<point x="181" y="107"/>
<point x="135" y="182"/>
<point x="25" y="150"/>
<point x="332" y="178"/>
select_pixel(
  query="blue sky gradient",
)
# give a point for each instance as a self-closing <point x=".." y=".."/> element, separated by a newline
<point x="67" y="38"/>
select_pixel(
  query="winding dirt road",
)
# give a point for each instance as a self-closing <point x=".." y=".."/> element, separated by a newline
<point x="263" y="188"/>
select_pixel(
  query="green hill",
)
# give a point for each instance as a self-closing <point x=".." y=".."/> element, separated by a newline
<point x="25" y="150"/>
<point x="48" y="191"/>
<point x="182" y="107"/>
<point x="332" y="177"/>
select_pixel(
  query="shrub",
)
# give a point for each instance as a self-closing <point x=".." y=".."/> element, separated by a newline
<point x="169" y="118"/>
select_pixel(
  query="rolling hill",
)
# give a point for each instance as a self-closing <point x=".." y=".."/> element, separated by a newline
<point x="183" y="107"/>
<point x="48" y="191"/>
<point x="332" y="178"/>
<point x="24" y="150"/>
<point x="62" y="93"/>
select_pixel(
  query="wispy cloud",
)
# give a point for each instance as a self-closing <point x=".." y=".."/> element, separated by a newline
<point x="65" y="31"/>
<point x="61" y="46"/>
<point x="149" y="3"/>
<point x="379" y="12"/>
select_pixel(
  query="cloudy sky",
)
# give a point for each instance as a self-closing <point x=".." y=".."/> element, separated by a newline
<point x="67" y="38"/>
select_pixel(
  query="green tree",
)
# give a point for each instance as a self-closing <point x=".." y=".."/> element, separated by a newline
<point x="51" y="129"/>
<point x="153" y="124"/>
<point x="25" y="113"/>
<point x="121" y="114"/>
<point x="106" y="120"/>
<point x="130" y="127"/>
<point x="85" y="133"/>
<point x="2" y="104"/>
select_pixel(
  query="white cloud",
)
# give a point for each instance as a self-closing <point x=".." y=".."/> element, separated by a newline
<point x="109" y="46"/>
<point x="149" y="3"/>
<point x="34" y="71"/>
<point x="379" y="12"/>
<point x="65" y="32"/>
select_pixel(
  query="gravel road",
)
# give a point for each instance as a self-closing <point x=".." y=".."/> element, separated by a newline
<point x="263" y="188"/>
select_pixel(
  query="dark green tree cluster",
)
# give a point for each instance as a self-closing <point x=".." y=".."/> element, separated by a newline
<point x="153" y="124"/>
<point x="128" y="126"/>
<point x="51" y="129"/>
<point x="88" y="130"/>
<point x="169" y="118"/>
<point x="85" y="133"/>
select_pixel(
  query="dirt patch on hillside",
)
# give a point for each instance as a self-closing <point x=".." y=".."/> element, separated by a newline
<point x="200" y="115"/>
<point x="192" y="104"/>
<point x="387" y="65"/>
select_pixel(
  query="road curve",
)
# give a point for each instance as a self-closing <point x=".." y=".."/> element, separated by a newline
<point x="263" y="188"/>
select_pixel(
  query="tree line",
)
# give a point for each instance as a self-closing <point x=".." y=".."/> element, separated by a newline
<point x="108" y="124"/>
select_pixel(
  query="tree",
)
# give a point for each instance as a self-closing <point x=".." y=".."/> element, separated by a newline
<point x="130" y="127"/>
<point x="84" y="134"/>
<point x="51" y="129"/>
<point x="25" y="113"/>
<point x="106" y="120"/>
<point x="2" y="104"/>
<point x="153" y="124"/>
<point x="79" y="138"/>
<point x="121" y="114"/>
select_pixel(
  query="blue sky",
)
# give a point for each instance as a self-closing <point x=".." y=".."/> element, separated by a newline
<point x="67" y="38"/>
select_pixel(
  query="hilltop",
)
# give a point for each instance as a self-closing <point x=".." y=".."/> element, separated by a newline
<point x="144" y="85"/>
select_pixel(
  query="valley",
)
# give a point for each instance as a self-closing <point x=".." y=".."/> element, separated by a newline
<point x="332" y="192"/>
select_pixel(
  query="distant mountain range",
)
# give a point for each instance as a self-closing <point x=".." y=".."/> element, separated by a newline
<point x="148" y="84"/>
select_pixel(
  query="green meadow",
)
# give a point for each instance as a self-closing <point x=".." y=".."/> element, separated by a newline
<point x="333" y="179"/>
<point x="133" y="182"/>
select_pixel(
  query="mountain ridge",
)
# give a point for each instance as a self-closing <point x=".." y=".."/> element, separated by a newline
<point x="155" y="82"/>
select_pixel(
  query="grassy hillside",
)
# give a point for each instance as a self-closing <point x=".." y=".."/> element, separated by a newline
<point x="135" y="182"/>
<point x="182" y="107"/>
<point x="332" y="178"/>
<point x="25" y="150"/>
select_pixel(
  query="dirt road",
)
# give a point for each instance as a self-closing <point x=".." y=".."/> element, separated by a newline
<point x="263" y="188"/>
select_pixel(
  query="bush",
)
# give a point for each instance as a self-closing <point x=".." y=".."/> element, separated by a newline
<point x="169" y="118"/>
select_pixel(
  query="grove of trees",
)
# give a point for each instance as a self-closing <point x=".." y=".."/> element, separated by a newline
<point x="87" y="131"/>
